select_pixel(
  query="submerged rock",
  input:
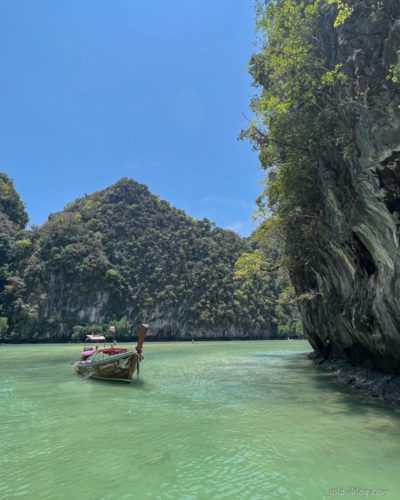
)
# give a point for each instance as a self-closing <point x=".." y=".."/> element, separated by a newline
<point x="372" y="383"/>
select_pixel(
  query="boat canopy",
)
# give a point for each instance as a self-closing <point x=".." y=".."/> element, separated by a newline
<point x="95" y="338"/>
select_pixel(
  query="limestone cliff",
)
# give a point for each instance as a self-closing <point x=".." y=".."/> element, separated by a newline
<point x="353" y="287"/>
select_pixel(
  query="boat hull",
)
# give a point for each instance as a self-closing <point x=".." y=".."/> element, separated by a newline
<point x="120" y="368"/>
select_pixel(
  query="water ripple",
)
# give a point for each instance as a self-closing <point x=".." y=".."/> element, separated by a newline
<point x="207" y="421"/>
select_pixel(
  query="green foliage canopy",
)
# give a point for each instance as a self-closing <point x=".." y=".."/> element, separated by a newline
<point x="10" y="202"/>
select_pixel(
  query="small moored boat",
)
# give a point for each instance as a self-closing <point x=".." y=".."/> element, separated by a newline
<point x="110" y="363"/>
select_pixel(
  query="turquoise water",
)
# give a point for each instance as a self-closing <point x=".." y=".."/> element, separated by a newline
<point x="207" y="420"/>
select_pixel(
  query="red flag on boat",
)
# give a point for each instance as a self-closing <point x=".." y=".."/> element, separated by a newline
<point x="112" y="329"/>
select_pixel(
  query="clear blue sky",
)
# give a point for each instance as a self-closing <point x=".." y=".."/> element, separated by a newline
<point x="95" y="90"/>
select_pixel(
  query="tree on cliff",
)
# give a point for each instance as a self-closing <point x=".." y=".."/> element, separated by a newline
<point x="11" y="205"/>
<point x="13" y="219"/>
<point x="290" y="127"/>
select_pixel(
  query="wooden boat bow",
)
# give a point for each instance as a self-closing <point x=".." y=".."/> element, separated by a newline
<point x="142" y="336"/>
<point x="138" y="349"/>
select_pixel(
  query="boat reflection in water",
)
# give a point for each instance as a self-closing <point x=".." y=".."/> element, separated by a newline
<point x="111" y="363"/>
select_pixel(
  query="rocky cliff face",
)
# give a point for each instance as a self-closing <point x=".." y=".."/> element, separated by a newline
<point x="354" y="312"/>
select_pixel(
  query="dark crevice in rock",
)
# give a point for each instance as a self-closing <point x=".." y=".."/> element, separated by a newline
<point x="359" y="355"/>
<point x="389" y="180"/>
<point x="364" y="257"/>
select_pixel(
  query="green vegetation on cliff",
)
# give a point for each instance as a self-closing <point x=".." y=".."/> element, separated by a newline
<point x="124" y="256"/>
<point x="11" y="206"/>
<point x="302" y="116"/>
<point x="13" y="218"/>
<point x="327" y="128"/>
<point x="295" y="121"/>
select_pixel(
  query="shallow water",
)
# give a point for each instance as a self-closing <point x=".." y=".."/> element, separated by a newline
<point x="208" y="420"/>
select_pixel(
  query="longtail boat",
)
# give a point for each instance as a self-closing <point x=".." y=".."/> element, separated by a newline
<point x="110" y="363"/>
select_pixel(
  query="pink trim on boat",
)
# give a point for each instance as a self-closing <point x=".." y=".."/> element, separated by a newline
<point x="88" y="353"/>
<point x="114" y="350"/>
